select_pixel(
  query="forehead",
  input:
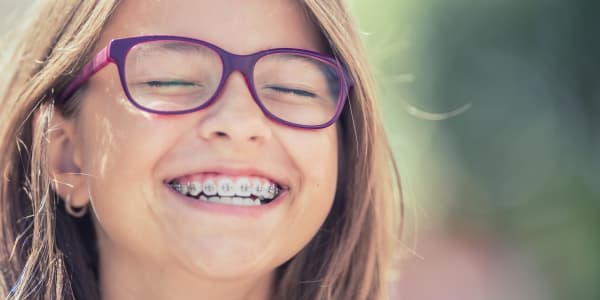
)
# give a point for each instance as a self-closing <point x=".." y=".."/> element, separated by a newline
<point x="239" y="26"/>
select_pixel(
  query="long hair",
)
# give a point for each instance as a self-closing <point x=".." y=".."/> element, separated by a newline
<point x="47" y="254"/>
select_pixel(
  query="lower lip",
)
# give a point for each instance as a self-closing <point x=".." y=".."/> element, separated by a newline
<point x="236" y="210"/>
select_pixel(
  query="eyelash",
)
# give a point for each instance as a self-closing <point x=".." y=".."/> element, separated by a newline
<point x="157" y="83"/>
<point x="292" y="91"/>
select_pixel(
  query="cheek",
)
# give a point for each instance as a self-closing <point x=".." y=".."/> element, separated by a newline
<point x="120" y="141"/>
<point x="315" y="154"/>
<point x="100" y="146"/>
<point x="119" y="156"/>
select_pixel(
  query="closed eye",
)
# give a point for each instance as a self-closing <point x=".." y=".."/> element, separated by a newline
<point x="170" y="83"/>
<point x="296" y="92"/>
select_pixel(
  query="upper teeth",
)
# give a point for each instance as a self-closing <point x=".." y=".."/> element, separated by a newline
<point x="194" y="189"/>
<point x="209" y="188"/>
<point x="226" y="187"/>
<point x="242" y="187"/>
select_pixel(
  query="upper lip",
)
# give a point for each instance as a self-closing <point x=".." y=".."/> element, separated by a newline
<point x="233" y="171"/>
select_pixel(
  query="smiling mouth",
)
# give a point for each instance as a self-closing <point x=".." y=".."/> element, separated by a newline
<point x="240" y="191"/>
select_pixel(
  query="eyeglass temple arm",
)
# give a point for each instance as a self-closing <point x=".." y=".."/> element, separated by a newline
<point x="100" y="61"/>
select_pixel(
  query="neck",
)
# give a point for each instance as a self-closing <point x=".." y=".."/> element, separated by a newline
<point x="124" y="277"/>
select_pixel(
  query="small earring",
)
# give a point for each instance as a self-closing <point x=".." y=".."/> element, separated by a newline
<point x="77" y="213"/>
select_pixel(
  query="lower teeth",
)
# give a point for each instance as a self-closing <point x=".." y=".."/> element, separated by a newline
<point x="231" y="200"/>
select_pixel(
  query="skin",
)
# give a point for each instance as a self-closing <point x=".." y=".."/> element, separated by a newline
<point x="116" y="157"/>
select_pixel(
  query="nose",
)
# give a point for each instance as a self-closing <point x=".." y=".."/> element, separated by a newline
<point x="234" y="116"/>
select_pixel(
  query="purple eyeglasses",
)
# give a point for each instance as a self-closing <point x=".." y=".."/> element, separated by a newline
<point x="172" y="75"/>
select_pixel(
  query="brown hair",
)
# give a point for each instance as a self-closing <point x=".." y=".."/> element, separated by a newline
<point x="46" y="253"/>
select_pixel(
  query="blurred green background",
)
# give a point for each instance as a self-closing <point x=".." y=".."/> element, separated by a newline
<point x="492" y="107"/>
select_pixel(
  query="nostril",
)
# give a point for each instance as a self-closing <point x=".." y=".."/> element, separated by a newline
<point x="220" y="134"/>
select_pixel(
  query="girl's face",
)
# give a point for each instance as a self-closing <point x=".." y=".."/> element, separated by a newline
<point x="130" y="156"/>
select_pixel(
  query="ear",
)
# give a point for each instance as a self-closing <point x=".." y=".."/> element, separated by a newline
<point x="64" y="160"/>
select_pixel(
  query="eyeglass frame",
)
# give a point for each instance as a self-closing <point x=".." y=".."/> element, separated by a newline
<point x="117" y="50"/>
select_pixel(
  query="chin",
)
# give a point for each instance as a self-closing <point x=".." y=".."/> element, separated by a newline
<point x="226" y="260"/>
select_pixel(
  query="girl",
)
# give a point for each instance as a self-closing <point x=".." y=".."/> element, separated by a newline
<point x="193" y="150"/>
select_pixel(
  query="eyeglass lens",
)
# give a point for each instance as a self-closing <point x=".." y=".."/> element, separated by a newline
<point x="173" y="76"/>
